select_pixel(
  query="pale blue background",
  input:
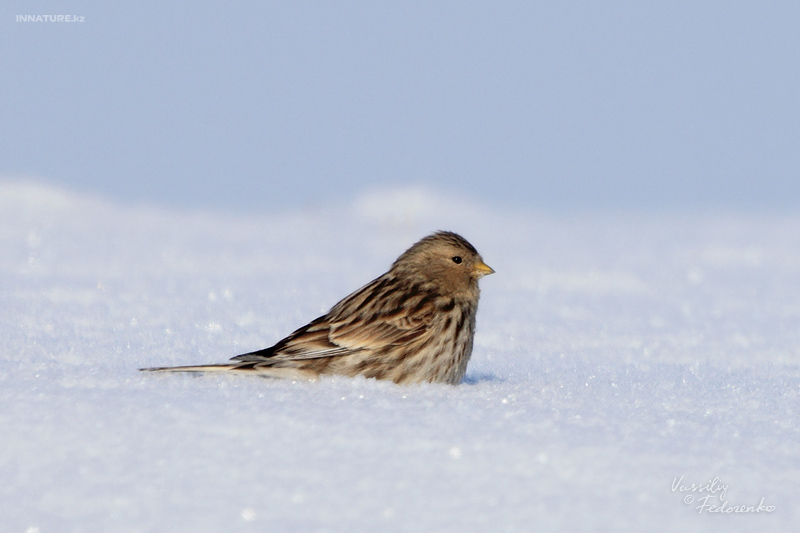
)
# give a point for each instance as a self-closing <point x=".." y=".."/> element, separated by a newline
<point x="610" y="105"/>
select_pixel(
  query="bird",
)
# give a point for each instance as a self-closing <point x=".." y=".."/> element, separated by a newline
<point x="413" y="324"/>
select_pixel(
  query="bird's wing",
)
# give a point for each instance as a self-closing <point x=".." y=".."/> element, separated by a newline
<point x="309" y="342"/>
<point x="397" y="326"/>
<point x="365" y="320"/>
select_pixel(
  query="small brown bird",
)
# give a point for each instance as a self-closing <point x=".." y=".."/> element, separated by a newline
<point x="413" y="324"/>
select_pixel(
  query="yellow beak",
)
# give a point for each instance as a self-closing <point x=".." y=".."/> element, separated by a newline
<point x="482" y="269"/>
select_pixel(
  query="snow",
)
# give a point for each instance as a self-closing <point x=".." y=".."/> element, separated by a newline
<point x="618" y="356"/>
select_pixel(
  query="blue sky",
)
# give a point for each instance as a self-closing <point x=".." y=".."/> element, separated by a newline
<point x="556" y="105"/>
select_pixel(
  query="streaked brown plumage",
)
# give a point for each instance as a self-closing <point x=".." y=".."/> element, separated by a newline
<point x="413" y="324"/>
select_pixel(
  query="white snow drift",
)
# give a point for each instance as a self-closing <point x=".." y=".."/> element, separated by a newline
<point x="622" y="363"/>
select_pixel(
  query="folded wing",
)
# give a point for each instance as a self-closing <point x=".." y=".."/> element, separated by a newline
<point x="375" y="317"/>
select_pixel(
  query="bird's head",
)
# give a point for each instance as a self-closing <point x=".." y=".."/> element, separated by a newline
<point x="446" y="259"/>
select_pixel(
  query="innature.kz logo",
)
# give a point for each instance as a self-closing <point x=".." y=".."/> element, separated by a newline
<point x="50" y="18"/>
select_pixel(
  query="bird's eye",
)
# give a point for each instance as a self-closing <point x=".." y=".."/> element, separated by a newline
<point x="457" y="260"/>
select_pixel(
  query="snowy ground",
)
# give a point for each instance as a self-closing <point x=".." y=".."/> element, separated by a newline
<point x="614" y="355"/>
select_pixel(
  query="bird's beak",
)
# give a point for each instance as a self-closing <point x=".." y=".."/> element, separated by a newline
<point x="482" y="269"/>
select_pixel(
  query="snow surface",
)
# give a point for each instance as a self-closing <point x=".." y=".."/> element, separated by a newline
<point x="614" y="354"/>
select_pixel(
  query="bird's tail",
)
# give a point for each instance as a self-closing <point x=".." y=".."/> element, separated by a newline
<point x="297" y="374"/>
<point x="194" y="368"/>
